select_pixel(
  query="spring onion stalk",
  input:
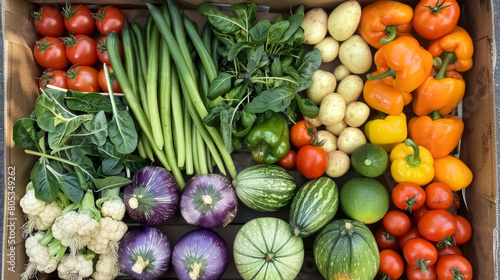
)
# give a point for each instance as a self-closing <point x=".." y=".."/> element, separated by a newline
<point x="166" y="14"/>
<point x="179" y="33"/>
<point x="140" y="148"/>
<point x="149" y="150"/>
<point x="188" y="138"/>
<point x="206" y="37"/>
<point x="141" y="84"/>
<point x="202" y="156"/>
<point x="128" y="51"/>
<point x="177" y="123"/>
<point x="143" y="59"/>
<point x="152" y="89"/>
<point x="147" y="32"/>
<point x="209" y="160"/>
<point x="194" y="148"/>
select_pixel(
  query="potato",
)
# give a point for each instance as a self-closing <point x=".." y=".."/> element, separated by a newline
<point x="329" y="49"/>
<point x="316" y="122"/>
<point x="349" y="139"/>
<point x="336" y="129"/>
<point x="315" y="25"/>
<point x="350" y="88"/>
<point x="332" y="109"/>
<point x="330" y="143"/>
<point x="344" y="20"/>
<point x="356" y="113"/>
<point x="338" y="164"/>
<point x="341" y="72"/>
<point x="356" y="55"/>
<point x="323" y="83"/>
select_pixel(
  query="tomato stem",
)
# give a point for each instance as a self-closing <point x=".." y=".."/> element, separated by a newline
<point x="43" y="46"/>
<point x="410" y="202"/>
<point x="438" y="7"/>
<point x="422" y="263"/>
<point x="456" y="273"/>
<point x="447" y="241"/>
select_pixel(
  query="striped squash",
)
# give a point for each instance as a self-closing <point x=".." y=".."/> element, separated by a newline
<point x="314" y="206"/>
<point x="265" y="187"/>
<point x="346" y="249"/>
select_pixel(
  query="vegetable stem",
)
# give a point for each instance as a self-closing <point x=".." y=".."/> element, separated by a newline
<point x="152" y="89"/>
<point x="188" y="139"/>
<point x="179" y="140"/>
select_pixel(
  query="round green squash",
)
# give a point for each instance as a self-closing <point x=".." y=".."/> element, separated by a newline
<point x="266" y="249"/>
<point x="346" y="249"/>
<point x="314" y="206"/>
<point x="265" y="187"/>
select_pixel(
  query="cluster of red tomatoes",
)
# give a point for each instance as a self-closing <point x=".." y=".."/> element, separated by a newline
<point x="75" y="61"/>
<point x="424" y="234"/>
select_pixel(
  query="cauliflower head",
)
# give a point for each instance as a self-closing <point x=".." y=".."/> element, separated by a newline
<point x="74" y="267"/>
<point x="75" y="230"/>
<point x="107" y="267"/>
<point x="110" y="231"/>
<point x="39" y="258"/>
<point x="114" y="209"/>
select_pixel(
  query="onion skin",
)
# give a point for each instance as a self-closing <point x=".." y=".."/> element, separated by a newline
<point x="153" y="197"/>
<point x="146" y="245"/>
<point x="200" y="254"/>
<point x="209" y="201"/>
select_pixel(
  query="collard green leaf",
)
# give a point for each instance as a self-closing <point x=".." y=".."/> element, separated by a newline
<point x="219" y="20"/>
<point x="220" y="85"/>
<point x="310" y="63"/>
<point x="307" y="107"/>
<point x="122" y="133"/>
<point x="276" y="31"/>
<point x="25" y="134"/>
<point x="46" y="187"/>
<point x="237" y="48"/>
<point x="111" y="182"/>
<point x="258" y="32"/>
<point x="276" y="100"/>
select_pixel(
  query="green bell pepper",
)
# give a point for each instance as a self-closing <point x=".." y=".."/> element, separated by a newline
<point x="269" y="139"/>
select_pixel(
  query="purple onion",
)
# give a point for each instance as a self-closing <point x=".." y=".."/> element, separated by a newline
<point x="200" y="254"/>
<point x="144" y="253"/>
<point x="153" y="197"/>
<point x="209" y="201"/>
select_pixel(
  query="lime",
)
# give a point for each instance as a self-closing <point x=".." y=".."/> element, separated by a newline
<point x="364" y="199"/>
<point x="370" y="160"/>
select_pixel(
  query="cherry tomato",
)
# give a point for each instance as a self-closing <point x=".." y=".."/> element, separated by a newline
<point x="50" y="53"/>
<point x="289" y="160"/>
<point x="115" y="86"/>
<point x="49" y="21"/>
<point x="411" y="233"/>
<point x="396" y="222"/>
<point x="417" y="274"/>
<point x="439" y="195"/>
<point x="433" y="20"/>
<point x="419" y="252"/>
<point x="451" y="267"/>
<point x="438" y="226"/>
<point x="449" y="250"/>
<point x="301" y="133"/>
<point x="415" y="215"/>
<point x="55" y="78"/>
<point x="108" y="19"/>
<point x="312" y="161"/>
<point x="102" y="52"/>
<point x="83" y="78"/>
<point x="80" y="49"/>
<point x="464" y="230"/>
<point x="78" y="19"/>
<point x="391" y="264"/>
<point x="408" y="196"/>
<point x="385" y="240"/>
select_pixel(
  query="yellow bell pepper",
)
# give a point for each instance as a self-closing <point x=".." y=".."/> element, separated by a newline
<point x="386" y="129"/>
<point x="453" y="172"/>
<point x="411" y="163"/>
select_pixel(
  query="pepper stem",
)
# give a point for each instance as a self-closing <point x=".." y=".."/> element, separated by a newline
<point x="435" y="115"/>
<point x="449" y="57"/>
<point x="413" y="160"/>
<point x="388" y="73"/>
<point x="437" y="8"/>
<point x="390" y="31"/>
<point x="382" y="115"/>
<point x="194" y="273"/>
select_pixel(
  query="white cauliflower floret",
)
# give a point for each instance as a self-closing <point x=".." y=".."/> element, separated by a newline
<point x="110" y="231"/>
<point x="114" y="209"/>
<point x="46" y="218"/>
<point x="75" y="230"/>
<point x="106" y="268"/>
<point x="31" y="205"/>
<point x="74" y="267"/>
<point x="39" y="258"/>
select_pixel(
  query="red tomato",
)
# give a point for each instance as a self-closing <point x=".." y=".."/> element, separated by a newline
<point x="78" y="19"/>
<point x="419" y="252"/>
<point x="385" y="240"/>
<point x="451" y="267"/>
<point x="55" y="78"/>
<point x="415" y="215"/>
<point x="80" y="49"/>
<point x="312" y="161"/>
<point x="49" y="21"/>
<point x="301" y="133"/>
<point x="108" y="19"/>
<point x="408" y="196"/>
<point x="432" y="20"/>
<point x="417" y="274"/>
<point x="396" y="222"/>
<point x="83" y="78"/>
<point x="449" y="250"/>
<point x="103" y="84"/>
<point x="391" y="264"/>
<point x="411" y="233"/>
<point x="438" y="226"/>
<point x="464" y="230"/>
<point x="50" y="53"/>
<point x="102" y="52"/>
<point x="439" y="195"/>
<point x="289" y="160"/>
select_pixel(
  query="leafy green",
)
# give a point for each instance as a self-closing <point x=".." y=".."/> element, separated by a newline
<point x="111" y="182"/>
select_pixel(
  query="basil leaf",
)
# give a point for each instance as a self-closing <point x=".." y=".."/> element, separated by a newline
<point x="46" y="188"/>
<point x="220" y="85"/>
<point x="275" y="100"/>
<point x="111" y="182"/>
<point x="219" y="20"/>
<point x="307" y="107"/>
<point x="258" y="32"/>
<point x="310" y="63"/>
<point x="276" y="31"/>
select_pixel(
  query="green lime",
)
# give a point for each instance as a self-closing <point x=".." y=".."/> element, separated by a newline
<point x="364" y="199"/>
<point x="370" y="160"/>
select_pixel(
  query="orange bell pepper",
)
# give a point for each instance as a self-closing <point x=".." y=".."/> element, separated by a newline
<point x="382" y="21"/>
<point x="383" y="97"/>
<point x="456" y="48"/>
<point x="453" y="172"/>
<point x="403" y="64"/>
<point x="442" y="92"/>
<point x="439" y="135"/>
